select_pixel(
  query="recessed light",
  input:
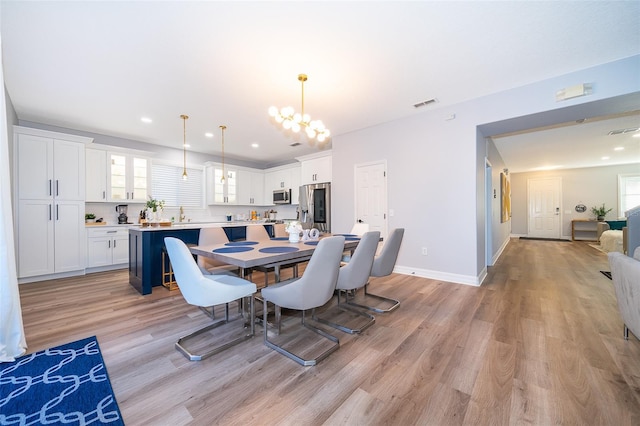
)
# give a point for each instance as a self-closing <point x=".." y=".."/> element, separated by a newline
<point x="636" y="135"/>
<point x="605" y="158"/>
<point x="619" y="148"/>
<point x="146" y="120"/>
<point x="255" y="145"/>
<point x="186" y="145"/>
<point x="208" y="135"/>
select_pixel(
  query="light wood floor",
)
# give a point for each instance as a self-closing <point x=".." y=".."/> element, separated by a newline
<point x="540" y="342"/>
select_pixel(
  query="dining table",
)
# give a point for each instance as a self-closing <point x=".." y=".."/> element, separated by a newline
<point x="271" y="253"/>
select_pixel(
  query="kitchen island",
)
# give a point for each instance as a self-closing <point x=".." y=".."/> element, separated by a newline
<point x="146" y="246"/>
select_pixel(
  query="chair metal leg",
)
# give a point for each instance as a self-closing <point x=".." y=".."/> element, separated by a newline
<point x="346" y="308"/>
<point x="291" y="355"/>
<point x="395" y="303"/>
<point x="626" y="332"/>
<point x="180" y="344"/>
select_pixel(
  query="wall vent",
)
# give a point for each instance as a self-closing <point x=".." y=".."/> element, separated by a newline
<point x="425" y="103"/>
<point x="622" y="131"/>
<point x="295" y="144"/>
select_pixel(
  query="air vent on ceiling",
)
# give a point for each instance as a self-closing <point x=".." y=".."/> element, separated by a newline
<point x="622" y="131"/>
<point x="424" y="103"/>
<point x="295" y="144"/>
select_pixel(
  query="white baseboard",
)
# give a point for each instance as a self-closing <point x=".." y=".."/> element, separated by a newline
<point x="441" y="276"/>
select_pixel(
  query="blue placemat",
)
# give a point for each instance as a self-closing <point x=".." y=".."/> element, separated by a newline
<point x="347" y="235"/>
<point x="241" y="243"/>
<point x="280" y="239"/>
<point x="284" y="249"/>
<point x="312" y="243"/>
<point x="352" y="238"/>
<point x="239" y="249"/>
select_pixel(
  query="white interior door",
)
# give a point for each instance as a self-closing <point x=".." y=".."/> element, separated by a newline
<point x="544" y="207"/>
<point x="371" y="196"/>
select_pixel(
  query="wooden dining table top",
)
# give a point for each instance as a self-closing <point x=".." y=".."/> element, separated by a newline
<point x="249" y="254"/>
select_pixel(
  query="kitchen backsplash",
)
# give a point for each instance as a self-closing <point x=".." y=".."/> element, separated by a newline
<point x="107" y="211"/>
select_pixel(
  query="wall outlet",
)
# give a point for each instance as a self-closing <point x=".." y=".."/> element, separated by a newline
<point x="424" y="251"/>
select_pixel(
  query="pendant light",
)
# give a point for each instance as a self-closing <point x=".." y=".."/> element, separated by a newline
<point x="222" y="129"/>
<point x="184" y="146"/>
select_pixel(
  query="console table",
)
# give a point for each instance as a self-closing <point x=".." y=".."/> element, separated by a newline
<point x="584" y="230"/>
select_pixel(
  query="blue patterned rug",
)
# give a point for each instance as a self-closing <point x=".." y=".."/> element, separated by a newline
<point x="67" y="385"/>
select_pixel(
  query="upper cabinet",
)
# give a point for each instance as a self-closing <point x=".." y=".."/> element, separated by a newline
<point x="250" y="188"/>
<point x="219" y="190"/>
<point x="49" y="167"/>
<point x="96" y="175"/>
<point x="129" y="177"/>
<point x="315" y="168"/>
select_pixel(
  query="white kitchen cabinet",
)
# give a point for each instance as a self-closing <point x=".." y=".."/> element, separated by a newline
<point x="96" y="175"/>
<point x="107" y="246"/>
<point x="316" y="170"/>
<point x="49" y="178"/>
<point x="129" y="177"/>
<point x="283" y="177"/>
<point x="50" y="240"/>
<point x="48" y="167"/>
<point x="250" y="188"/>
<point x="220" y="191"/>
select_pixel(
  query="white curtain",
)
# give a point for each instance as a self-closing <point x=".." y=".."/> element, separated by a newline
<point x="12" y="339"/>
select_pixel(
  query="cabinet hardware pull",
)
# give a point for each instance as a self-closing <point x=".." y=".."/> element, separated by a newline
<point x="50" y="193"/>
<point x="57" y="212"/>
<point x="104" y="195"/>
<point x="114" y="243"/>
<point x="57" y="187"/>
<point x="49" y="211"/>
<point x="109" y="242"/>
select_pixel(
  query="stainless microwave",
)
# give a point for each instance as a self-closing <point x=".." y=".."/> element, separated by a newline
<point x="282" y="196"/>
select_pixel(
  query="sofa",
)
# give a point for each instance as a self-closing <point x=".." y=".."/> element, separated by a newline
<point x="625" y="273"/>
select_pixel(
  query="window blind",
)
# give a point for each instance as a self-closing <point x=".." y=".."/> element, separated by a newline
<point x="628" y="191"/>
<point x="169" y="186"/>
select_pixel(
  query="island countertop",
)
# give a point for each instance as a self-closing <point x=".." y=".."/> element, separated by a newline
<point x="199" y="225"/>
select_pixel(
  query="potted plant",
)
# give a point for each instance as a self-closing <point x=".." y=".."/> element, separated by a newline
<point x="89" y="218"/>
<point x="154" y="205"/>
<point x="600" y="212"/>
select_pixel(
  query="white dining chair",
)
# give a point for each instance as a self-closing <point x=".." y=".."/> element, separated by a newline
<point x="209" y="237"/>
<point x="383" y="265"/>
<point x="259" y="233"/>
<point x="203" y="290"/>
<point x="353" y="276"/>
<point x="312" y="290"/>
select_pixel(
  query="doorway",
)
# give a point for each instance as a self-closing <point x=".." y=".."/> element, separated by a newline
<point x="543" y="198"/>
<point x="371" y="195"/>
<point x="488" y="214"/>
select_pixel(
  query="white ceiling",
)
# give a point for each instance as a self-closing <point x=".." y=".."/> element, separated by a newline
<point x="101" y="66"/>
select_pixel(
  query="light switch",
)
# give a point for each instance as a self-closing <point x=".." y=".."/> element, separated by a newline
<point x="391" y="212"/>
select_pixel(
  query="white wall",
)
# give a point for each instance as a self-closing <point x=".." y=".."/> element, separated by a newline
<point x="436" y="169"/>
<point x="589" y="186"/>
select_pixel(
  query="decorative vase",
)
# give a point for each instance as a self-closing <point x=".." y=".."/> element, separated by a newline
<point x="294" y="237"/>
<point x="600" y="218"/>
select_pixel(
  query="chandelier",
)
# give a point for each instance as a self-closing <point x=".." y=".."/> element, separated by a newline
<point x="289" y="119"/>
<point x="184" y="145"/>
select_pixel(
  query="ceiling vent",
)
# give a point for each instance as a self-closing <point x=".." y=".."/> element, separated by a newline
<point x="425" y="103"/>
<point x="622" y="131"/>
<point x="295" y="144"/>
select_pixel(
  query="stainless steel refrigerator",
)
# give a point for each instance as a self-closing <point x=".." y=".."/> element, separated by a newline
<point x="314" y="210"/>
